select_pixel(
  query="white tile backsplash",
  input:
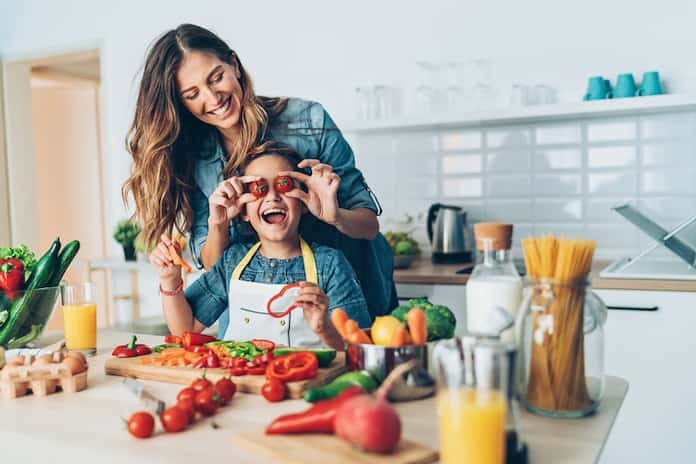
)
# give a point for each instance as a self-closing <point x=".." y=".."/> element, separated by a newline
<point x="560" y="178"/>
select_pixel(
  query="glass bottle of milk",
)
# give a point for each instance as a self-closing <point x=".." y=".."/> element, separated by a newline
<point x="494" y="290"/>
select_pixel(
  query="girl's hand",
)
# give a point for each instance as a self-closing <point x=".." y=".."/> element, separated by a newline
<point x="228" y="198"/>
<point x="315" y="306"/>
<point x="170" y="273"/>
<point x="322" y="186"/>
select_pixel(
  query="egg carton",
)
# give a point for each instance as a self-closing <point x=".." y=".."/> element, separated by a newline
<point x="42" y="380"/>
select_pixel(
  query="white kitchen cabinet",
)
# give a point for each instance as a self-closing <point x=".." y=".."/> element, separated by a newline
<point x="654" y="351"/>
<point x="452" y="296"/>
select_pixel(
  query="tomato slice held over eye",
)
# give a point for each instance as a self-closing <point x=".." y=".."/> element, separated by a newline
<point x="258" y="188"/>
<point x="283" y="184"/>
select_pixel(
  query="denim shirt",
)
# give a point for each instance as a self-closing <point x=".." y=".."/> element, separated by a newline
<point x="208" y="295"/>
<point x="308" y="128"/>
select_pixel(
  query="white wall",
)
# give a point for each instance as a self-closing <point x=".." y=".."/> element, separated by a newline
<point x="322" y="50"/>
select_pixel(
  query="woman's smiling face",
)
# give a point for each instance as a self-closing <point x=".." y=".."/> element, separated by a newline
<point x="274" y="216"/>
<point x="209" y="88"/>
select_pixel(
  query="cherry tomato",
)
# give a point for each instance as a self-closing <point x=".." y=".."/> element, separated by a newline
<point x="273" y="390"/>
<point x="225" y="389"/>
<point x="283" y="184"/>
<point x="186" y="405"/>
<point x="201" y="384"/>
<point x="141" y="424"/>
<point x="258" y="188"/>
<point x="174" y="419"/>
<point x="206" y="401"/>
<point x="187" y="392"/>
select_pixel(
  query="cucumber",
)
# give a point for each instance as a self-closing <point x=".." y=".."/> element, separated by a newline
<point x="66" y="256"/>
<point x="324" y="356"/>
<point x="21" y="307"/>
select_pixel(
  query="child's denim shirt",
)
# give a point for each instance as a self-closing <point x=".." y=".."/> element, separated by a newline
<point x="308" y="128"/>
<point x="208" y="295"/>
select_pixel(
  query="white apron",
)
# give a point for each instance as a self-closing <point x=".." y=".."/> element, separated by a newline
<point x="247" y="306"/>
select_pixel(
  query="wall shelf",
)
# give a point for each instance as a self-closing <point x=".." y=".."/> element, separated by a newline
<point x="530" y="114"/>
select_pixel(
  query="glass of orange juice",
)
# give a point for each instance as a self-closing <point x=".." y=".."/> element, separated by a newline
<point x="80" y="317"/>
<point x="471" y="398"/>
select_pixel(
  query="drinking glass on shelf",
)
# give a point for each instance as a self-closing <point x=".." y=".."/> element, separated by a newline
<point x="425" y="92"/>
<point x="519" y="95"/>
<point x="80" y="317"/>
<point x="543" y="94"/>
<point x="473" y="379"/>
<point x="363" y="103"/>
<point x="454" y="93"/>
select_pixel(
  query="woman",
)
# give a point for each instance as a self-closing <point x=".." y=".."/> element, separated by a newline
<point x="196" y="119"/>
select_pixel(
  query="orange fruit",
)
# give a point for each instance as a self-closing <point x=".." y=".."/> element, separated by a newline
<point x="383" y="329"/>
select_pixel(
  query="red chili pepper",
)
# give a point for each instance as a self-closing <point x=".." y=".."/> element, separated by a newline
<point x="283" y="184"/>
<point x="11" y="276"/>
<point x="172" y="340"/>
<point x="196" y="339"/>
<point x="294" y="366"/>
<point x="317" y="419"/>
<point x="212" y="360"/>
<point x="131" y="350"/>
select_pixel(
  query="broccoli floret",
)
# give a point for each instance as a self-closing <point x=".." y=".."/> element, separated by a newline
<point x="421" y="303"/>
<point x="400" y="313"/>
<point x="438" y="325"/>
<point x="446" y="313"/>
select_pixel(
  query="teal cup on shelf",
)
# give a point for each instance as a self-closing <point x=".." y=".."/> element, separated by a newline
<point x="650" y="85"/>
<point x="596" y="89"/>
<point x="625" y="87"/>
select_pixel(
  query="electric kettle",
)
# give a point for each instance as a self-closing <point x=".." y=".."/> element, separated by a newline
<point x="448" y="234"/>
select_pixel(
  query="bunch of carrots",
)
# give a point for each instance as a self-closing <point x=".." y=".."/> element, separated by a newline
<point x="350" y="331"/>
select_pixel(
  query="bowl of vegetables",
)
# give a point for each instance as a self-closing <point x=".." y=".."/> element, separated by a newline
<point x="404" y="247"/>
<point x="30" y="290"/>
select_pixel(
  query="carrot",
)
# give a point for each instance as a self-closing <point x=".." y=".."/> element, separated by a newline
<point x="339" y="319"/>
<point x="145" y="360"/>
<point x="354" y="334"/>
<point x="398" y="338"/>
<point x="158" y="361"/>
<point x="176" y="257"/>
<point x="417" y="326"/>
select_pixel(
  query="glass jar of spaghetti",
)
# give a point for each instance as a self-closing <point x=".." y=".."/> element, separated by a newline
<point x="561" y="334"/>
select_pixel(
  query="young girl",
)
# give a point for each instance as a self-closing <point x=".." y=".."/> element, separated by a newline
<point x="248" y="275"/>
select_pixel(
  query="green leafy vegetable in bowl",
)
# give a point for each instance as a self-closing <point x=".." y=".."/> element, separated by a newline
<point x="22" y="253"/>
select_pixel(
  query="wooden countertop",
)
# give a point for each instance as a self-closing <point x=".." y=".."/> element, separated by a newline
<point x="423" y="271"/>
<point x="87" y="426"/>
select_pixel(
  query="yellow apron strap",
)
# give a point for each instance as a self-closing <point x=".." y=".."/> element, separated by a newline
<point x="310" y="263"/>
<point x="245" y="261"/>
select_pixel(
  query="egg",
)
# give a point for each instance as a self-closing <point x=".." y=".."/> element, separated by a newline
<point x="77" y="355"/>
<point x="74" y="364"/>
<point x="16" y="361"/>
<point x="43" y="360"/>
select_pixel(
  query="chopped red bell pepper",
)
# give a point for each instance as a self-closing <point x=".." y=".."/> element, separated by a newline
<point x="196" y="339"/>
<point x="212" y="360"/>
<point x="200" y="349"/>
<point x="131" y="350"/>
<point x="262" y="344"/>
<point x="319" y="418"/>
<point x="294" y="366"/>
<point x="11" y="277"/>
<point x="173" y="340"/>
<point x="257" y="370"/>
<point x="237" y="371"/>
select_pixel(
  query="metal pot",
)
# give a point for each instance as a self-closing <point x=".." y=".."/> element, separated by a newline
<point x="380" y="360"/>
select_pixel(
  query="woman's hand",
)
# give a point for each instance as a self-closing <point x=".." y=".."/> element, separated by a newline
<point x="315" y="306"/>
<point x="170" y="273"/>
<point x="228" y="198"/>
<point x="322" y="186"/>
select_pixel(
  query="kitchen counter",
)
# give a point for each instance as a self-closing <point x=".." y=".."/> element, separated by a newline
<point x="423" y="271"/>
<point x="87" y="426"/>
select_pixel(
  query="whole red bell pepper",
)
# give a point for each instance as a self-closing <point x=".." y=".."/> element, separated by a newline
<point x="196" y="339"/>
<point x="131" y="349"/>
<point x="301" y="365"/>
<point x="11" y="276"/>
<point x="317" y="419"/>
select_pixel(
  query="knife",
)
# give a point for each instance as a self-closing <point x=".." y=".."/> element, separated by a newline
<point x="142" y="393"/>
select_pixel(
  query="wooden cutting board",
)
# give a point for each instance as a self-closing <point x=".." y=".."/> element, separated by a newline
<point x="323" y="449"/>
<point x="131" y="367"/>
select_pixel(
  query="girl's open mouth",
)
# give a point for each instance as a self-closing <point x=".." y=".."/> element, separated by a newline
<point x="274" y="216"/>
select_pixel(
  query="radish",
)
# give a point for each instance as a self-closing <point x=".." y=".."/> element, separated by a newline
<point x="369" y="422"/>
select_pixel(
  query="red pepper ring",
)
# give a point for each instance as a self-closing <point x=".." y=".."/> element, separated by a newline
<point x="277" y="296"/>
<point x="301" y="365"/>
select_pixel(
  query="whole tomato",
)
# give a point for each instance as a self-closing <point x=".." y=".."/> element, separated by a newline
<point x="283" y="184"/>
<point x="186" y="405"/>
<point x="273" y="390"/>
<point x="258" y="188"/>
<point x="225" y="389"/>
<point x="201" y="384"/>
<point x="187" y="392"/>
<point x="206" y="401"/>
<point x="141" y="424"/>
<point x="174" y="419"/>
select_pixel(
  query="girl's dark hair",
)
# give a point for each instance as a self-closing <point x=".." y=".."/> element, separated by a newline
<point x="273" y="148"/>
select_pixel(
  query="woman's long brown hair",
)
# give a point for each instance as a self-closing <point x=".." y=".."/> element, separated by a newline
<point x="165" y="139"/>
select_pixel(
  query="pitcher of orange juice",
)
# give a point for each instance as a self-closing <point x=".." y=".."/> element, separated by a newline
<point x="80" y="317"/>
<point x="472" y="400"/>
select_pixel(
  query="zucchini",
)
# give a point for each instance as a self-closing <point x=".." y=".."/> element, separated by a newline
<point x="21" y="307"/>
